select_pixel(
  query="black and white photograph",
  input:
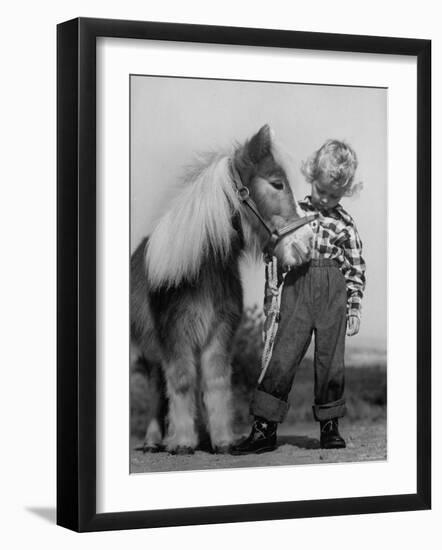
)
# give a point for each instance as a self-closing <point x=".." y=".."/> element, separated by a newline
<point x="246" y="226"/>
<point x="258" y="274"/>
<point x="221" y="248"/>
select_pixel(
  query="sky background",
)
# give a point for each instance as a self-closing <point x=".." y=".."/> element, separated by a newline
<point x="174" y="118"/>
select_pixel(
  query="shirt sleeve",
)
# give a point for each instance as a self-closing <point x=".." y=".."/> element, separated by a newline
<point x="353" y="269"/>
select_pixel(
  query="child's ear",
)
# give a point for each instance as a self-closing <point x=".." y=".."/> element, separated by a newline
<point x="260" y="145"/>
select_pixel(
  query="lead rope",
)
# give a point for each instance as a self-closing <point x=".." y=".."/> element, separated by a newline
<point x="272" y="315"/>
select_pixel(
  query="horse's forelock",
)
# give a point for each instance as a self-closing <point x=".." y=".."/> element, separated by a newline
<point x="280" y="155"/>
<point x="287" y="162"/>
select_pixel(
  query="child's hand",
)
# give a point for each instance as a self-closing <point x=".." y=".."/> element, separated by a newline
<point x="353" y="324"/>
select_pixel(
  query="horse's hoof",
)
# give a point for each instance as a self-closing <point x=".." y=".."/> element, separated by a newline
<point x="222" y="449"/>
<point x="151" y="448"/>
<point x="182" y="450"/>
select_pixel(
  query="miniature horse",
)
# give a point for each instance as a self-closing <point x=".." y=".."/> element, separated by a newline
<point x="186" y="290"/>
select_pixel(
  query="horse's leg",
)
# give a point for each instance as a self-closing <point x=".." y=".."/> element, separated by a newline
<point x="157" y="407"/>
<point x="216" y="384"/>
<point x="180" y="374"/>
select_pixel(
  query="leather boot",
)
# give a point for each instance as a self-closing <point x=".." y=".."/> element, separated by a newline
<point x="330" y="436"/>
<point x="262" y="439"/>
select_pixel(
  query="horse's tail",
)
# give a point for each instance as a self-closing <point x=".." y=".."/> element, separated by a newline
<point x="141" y="321"/>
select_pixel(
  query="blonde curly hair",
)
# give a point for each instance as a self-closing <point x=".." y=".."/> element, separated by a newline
<point x="336" y="159"/>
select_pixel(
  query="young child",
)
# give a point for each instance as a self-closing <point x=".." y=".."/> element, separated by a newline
<point x="322" y="297"/>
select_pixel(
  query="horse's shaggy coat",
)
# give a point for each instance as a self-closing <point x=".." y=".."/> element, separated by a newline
<point x="186" y="291"/>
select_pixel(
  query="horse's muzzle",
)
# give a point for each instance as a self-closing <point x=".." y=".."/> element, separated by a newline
<point x="297" y="247"/>
<point x="302" y="253"/>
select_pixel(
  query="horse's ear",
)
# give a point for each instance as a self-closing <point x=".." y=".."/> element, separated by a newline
<point x="260" y="146"/>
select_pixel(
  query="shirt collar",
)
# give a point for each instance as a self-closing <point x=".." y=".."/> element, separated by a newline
<point x="335" y="210"/>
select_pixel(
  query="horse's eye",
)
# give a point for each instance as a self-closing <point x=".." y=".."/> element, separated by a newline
<point x="277" y="184"/>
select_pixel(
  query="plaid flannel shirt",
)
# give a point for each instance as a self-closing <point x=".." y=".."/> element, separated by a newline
<point x="337" y="238"/>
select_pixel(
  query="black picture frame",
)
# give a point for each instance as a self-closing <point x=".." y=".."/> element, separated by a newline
<point x="76" y="273"/>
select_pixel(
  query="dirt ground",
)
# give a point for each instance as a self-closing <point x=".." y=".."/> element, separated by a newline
<point x="296" y="445"/>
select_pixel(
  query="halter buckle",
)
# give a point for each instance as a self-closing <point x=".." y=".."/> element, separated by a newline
<point x="271" y="244"/>
<point x="243" y="193"/>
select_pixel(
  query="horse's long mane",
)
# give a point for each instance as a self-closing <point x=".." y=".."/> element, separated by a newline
<point x="199" y="222"/>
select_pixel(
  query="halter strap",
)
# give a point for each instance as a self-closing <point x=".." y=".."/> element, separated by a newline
<point x="244" y="196"/>
<point x="275" y="235"/>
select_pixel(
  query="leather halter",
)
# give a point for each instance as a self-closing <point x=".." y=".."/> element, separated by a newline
<point x="275" y="235"/>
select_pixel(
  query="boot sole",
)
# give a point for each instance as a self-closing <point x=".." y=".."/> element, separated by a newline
<point x="257" y="452"/>
<point x="339" y="446"/>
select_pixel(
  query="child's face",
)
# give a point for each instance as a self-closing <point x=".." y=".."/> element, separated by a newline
<point x="325" y="194"/>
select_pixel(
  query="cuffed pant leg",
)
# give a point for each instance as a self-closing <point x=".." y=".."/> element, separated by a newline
<point x="330" y="374"/>
<point x="291" y="342"/>
<point x="331" y="324"/>
<point x="269" y="407"/>
<point x="326" y="411"/>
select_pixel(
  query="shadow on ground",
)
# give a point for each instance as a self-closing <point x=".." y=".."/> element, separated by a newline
<point x="296" y="445"/>
<point x="48" y="514"/>
<point x="301" y="441"/>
